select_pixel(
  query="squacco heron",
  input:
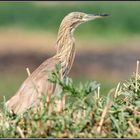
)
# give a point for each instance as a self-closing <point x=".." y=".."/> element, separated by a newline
<point x="27" y="95"/>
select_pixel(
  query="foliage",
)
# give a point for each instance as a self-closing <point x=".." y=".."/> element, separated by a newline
<point x="34" y="16"/>
<point x="79" y="112"/>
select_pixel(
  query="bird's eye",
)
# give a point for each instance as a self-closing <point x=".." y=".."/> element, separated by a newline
<point x="80" y="16"/>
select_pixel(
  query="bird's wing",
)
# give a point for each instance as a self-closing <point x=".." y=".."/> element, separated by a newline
<point x="33" y="87"/>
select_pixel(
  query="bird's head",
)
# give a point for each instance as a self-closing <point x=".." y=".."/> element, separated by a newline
<point x="74" y="19"/>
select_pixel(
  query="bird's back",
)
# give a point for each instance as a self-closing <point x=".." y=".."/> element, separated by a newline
<point x="33" y="87"/>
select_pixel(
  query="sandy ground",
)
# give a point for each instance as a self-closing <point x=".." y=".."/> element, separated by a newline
<point x="19" y="40"/>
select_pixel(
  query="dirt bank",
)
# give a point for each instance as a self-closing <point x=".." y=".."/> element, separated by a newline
<point x="115" y="64"/>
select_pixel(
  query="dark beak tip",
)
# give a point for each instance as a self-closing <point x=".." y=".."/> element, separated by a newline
<point x="102" y="15"/>
<point x="105" y="15"/>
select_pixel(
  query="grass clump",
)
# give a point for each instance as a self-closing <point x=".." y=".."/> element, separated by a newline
<point x="79" y="112"/>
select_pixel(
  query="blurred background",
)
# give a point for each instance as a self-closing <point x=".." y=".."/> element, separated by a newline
<point x="107" y="49"/>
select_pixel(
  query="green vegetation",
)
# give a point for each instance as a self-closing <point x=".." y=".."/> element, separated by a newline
<point x="80" y="112"/>
<point x="124" y="19"/>
<point x="83" y="109"/>
<point x="13" y="81"/>
<point x="10" y="81"/>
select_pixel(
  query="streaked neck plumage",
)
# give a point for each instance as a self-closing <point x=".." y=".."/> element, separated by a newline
<point x="65" y="47"/>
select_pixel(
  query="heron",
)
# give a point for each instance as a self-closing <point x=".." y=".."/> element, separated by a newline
<point x="27" y="95"/>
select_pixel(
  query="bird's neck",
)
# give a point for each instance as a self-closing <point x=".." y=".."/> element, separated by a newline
<point x="65" y="39"/>
<point x="65" y="49"/>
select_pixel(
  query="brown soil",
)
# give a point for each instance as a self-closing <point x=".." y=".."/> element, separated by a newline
<point x="115" y="64"/>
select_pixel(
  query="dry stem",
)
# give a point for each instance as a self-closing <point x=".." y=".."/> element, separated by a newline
<point x="132" y="127"/>
<point x="103" y="115"/>
<point x="136" y="77"/>
<point x="20" y="132"/>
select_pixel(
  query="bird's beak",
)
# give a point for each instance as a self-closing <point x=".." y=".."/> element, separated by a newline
<point x="94" y="16"/>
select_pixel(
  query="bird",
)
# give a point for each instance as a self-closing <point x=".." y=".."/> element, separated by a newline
<point x="37" y="83"/>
